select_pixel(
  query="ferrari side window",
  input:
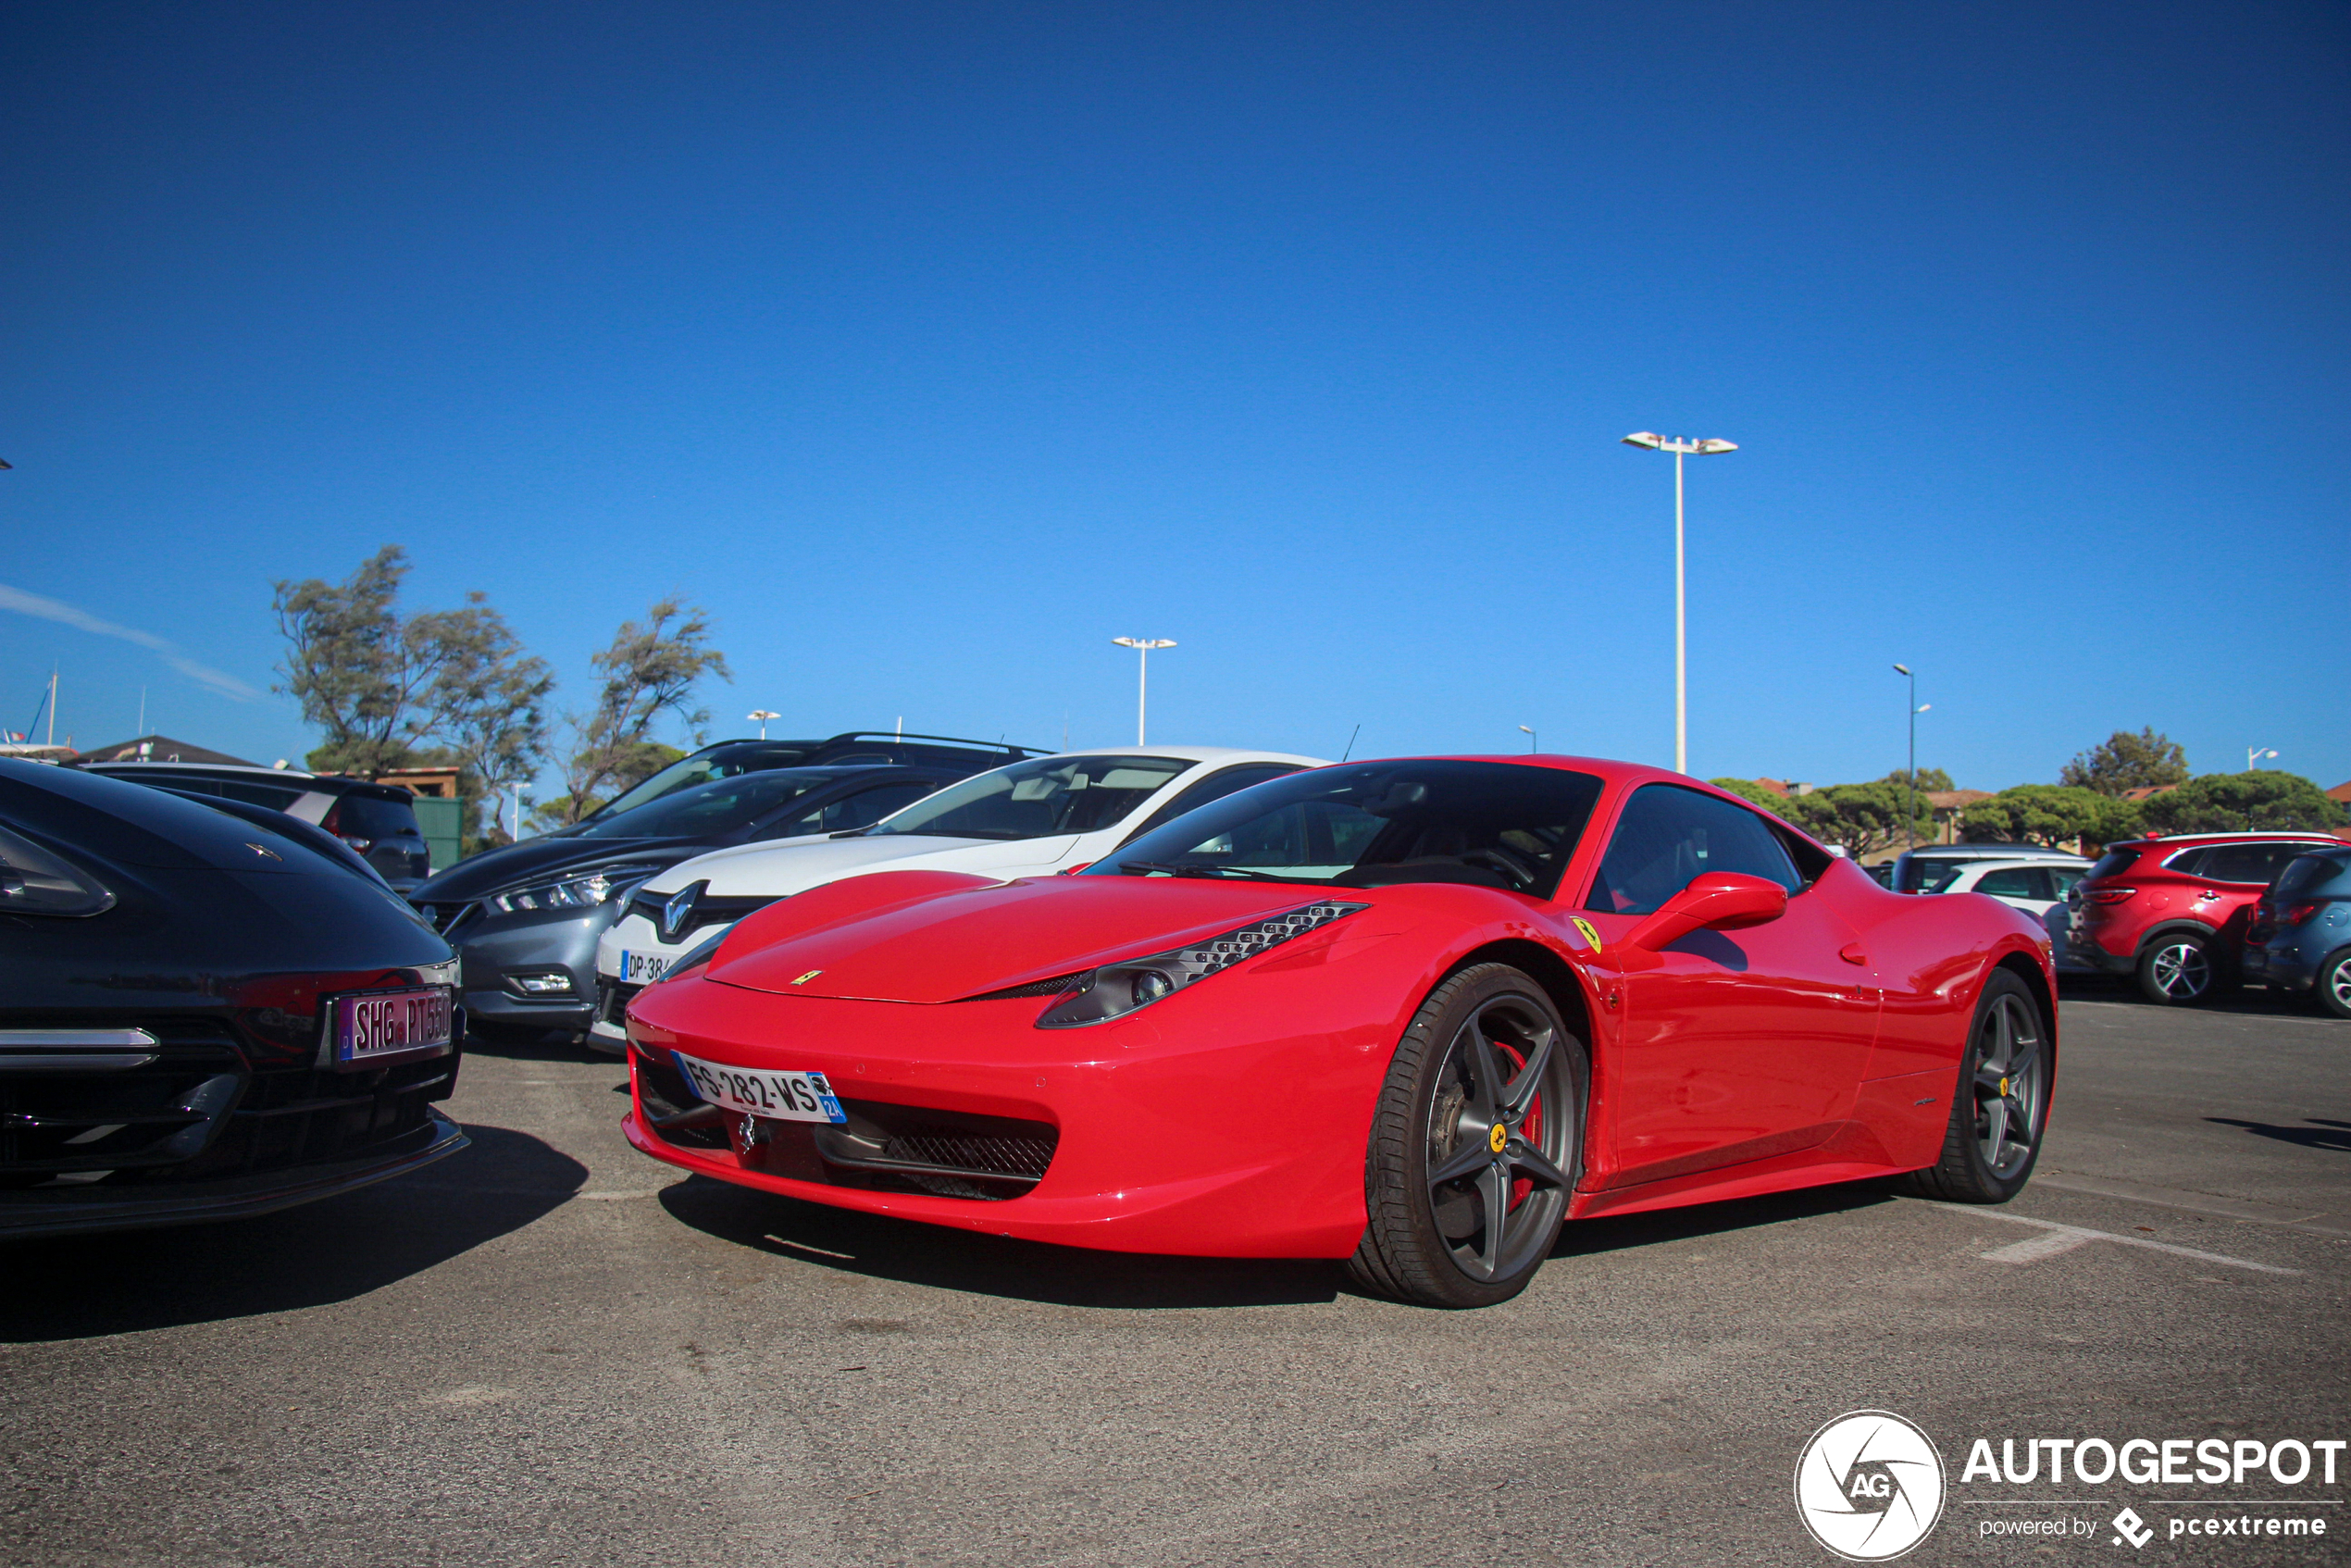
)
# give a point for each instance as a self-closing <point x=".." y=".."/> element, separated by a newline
<point x="1670" y="836"/>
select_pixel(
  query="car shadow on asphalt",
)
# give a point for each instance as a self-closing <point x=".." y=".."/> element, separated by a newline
<point x="1623" y="1233"/>
<point x="2317" y="1132"/>
<point x="989" y="1265"/>
<point x="116" y="1282"/>
<point x="2256" y="1001"/>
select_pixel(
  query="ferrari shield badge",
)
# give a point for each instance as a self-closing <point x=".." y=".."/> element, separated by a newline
<point x="1590" y="935"/>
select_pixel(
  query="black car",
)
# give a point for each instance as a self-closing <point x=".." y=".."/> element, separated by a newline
<point x="525" y="918"/>
<point x="379" y="821"/>
<point x="201" y="1017"/>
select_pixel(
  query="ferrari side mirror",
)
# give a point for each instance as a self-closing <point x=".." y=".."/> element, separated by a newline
<point x="1719" y="901"/>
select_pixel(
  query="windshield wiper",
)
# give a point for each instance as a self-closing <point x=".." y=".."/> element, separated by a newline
<point x="1173" y="868"/>
<point x="950" y="833"/>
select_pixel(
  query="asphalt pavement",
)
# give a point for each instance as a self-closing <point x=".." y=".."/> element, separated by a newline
<point x="548" y="1351"/>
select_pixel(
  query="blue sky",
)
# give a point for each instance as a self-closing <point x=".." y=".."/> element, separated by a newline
<point x="930" y="347"/>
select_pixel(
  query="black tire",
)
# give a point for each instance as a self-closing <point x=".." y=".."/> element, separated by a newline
<point x="2004" y="1078"/>
<point x="2180" y="968"/>
<point x="2332" y="991"/>
<point x="1486" y="1060"/>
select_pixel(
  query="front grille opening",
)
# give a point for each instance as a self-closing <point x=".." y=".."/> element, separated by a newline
<point x="882" y="1147"/>
<point x="200" y="1113"/>
<point x="948" y="1153"/>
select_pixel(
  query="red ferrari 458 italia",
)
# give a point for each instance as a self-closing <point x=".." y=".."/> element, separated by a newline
<point x="1415" y="1014"/>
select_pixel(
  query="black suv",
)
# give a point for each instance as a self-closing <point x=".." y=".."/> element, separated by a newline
<point x="525" y="918"/>
<point x="379" y="821"/>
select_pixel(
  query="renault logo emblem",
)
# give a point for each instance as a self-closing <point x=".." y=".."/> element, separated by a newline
<point x="678" y="912"/>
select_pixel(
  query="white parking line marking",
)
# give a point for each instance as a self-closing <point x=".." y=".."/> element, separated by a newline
<point x="2088" y="1235"/>
<point x="2031" y="1250"/>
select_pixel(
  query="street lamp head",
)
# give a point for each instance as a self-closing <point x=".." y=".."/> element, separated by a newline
<point x="764" y="713"/>
<point x="1924" y="706"/>
<point x="1901" y="669"/>
<point x="1525" y="730"/>
<point x="1711" y="444"/>
<point x="1645" y="438"/>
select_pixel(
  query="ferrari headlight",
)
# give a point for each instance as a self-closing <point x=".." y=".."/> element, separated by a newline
<point x="583" y="892"/>
<point x="1116" y="989"/>
<point x="37" y="881"/>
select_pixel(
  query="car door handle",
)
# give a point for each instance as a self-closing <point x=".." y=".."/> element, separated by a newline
<point x="1851" y="953"/>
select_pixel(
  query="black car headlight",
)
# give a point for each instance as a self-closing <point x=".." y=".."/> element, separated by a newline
<point x="38" y="881"/>
<point x="1116" y="989"/>
<point x="583" y="892"/>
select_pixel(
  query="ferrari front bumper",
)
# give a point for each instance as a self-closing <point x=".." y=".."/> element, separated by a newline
<point x="1191" y="1128"/>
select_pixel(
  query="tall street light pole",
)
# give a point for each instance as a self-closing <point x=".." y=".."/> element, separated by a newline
<point x="1142" y="646"/>
<point x="2253" y="756"/>
<point x="1529" y="733"/>
<point x="1911" y="818"/>
<point x="1680" y="446"/>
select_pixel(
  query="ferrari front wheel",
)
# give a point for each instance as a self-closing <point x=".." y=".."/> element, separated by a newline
<point x="1475" y="1142"/>
<point x="2002" y="1106"/>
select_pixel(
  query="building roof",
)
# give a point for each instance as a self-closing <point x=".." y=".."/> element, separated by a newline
<point x="2341" y="793"/>
<point x="160" y="748"/>
<point x="1956" y="799"/>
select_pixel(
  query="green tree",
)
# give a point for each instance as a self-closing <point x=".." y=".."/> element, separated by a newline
<point x="1865" y="818"/>
<point x="1749" y="790"/>
<point x="1927" y="779"/>
<point x="383" y="687"/>
<point x="649" y="672"/>
<point x="2050" y="814"/>
<point x="2263" y="799"/>
<point x="2125" y="761"/>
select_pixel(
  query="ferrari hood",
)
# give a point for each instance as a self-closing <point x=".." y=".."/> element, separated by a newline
<point x="952" y="945"/>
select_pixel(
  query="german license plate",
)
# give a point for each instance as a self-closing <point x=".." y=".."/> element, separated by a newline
<point x="642" y="968"/>
<point x="389" y="1026"/>
<point x="760" y="1091"/>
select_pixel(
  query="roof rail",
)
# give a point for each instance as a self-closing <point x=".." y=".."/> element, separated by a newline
<point x="948" y="740"/>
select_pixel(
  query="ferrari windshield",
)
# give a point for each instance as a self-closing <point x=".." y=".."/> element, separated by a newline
<point x="1490" y="825"/>
<point x="699" y="811"/>
<point x="1039" y="799"/>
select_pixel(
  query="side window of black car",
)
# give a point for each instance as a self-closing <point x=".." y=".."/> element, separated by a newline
<point x="865" y="809"/>
<point x="1215" y="787"/>
<point x="1669" y="836"/>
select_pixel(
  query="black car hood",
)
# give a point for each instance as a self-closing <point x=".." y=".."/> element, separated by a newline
<point x="535" y="860"/>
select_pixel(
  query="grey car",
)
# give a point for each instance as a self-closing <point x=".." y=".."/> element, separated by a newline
<point x="525" y="918"/>
<point x="2299" y="941"/>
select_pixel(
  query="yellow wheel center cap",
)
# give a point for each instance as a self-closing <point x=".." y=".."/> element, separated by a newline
<point x="1500" y="1136"/>
<point x="2004" y="1087"/>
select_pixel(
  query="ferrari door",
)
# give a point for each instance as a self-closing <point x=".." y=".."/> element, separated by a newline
<point x="1732" y="1045"/>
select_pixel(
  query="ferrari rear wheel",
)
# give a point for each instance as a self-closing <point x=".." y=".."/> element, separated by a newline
<point x="2002" y="1105"/>
<point x="1475" y="1144"/>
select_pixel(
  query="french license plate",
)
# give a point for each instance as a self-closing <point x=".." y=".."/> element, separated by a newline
<point x="759" y="1091"/>
<point x="386" y="1025"/>
<point x="642" y="968"/>
<point x="2254" y="960"/>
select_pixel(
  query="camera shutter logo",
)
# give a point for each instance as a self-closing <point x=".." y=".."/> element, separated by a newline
<point x="1869" y="1485"/>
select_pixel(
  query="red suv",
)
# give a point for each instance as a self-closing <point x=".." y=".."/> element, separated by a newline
<point x="2174" y="910"/>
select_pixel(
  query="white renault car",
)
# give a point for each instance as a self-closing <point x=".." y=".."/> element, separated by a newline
<point x="1032" y="819"/>
<point x="2038" y="886"/>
